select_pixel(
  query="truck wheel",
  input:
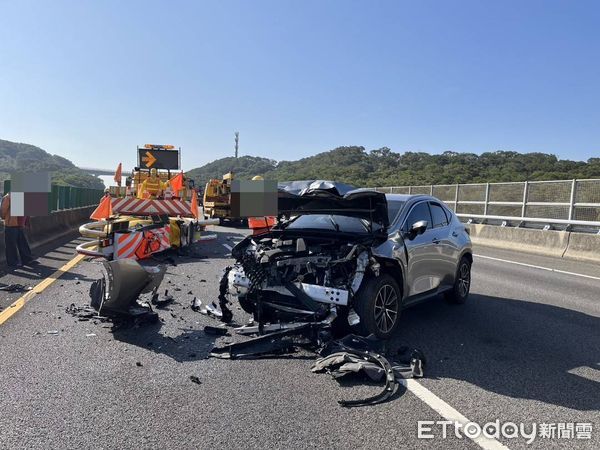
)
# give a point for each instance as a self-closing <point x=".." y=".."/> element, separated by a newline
<point x="378" y="303"/>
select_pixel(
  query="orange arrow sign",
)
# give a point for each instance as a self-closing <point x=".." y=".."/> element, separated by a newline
<point x="149" y="159"/>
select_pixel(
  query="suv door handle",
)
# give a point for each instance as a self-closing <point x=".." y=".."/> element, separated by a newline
<point x="435" y="240"/>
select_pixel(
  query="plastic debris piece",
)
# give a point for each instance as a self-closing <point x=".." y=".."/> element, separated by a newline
<point x="14" y="287"/>
<point x="218" y="331"/>
<point x="212" y="309"/>
<point x="196" y="305"/>
<point x="160" y="301"/>
<point x="195" y="379"/>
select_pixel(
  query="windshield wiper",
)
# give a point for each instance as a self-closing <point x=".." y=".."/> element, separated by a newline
<point x="333" y="222"/>
<point x="364" y="222"/>
<point x="288" y="222"/>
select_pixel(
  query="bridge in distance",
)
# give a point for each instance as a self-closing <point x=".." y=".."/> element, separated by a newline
<point x="97" y="172"/>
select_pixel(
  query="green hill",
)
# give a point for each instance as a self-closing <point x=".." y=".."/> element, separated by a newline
<point x="383" y="167"/>
<point x="28" y="158"/>
<point x="244" y="167"/>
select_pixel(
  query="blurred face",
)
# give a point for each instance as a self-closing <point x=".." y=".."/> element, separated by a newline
<point x="153" y="173"/>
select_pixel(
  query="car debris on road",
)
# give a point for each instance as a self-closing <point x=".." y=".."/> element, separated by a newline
<point x="196" y="305"/>
<point x="16" y="287"/>
<point x="85" y="313"/>
<point x="161" y="301"/>
<point x="116" y="297"/>
<point x="301" y="288"/>
<point x="355" y="354"/>
<point x="218" y="331"/>
<point x="351" y="354"/>
<point x="117" y="293"/>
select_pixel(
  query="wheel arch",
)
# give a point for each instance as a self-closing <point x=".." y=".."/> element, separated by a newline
<point x="393" y="268"/>
<point x="467" y="254"/>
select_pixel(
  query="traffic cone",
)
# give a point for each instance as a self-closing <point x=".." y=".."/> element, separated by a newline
<point x="104" y="209"/>
<point x="195" y="204"/>
<point x="177" y="183"/>
<point x="118" y="175"/>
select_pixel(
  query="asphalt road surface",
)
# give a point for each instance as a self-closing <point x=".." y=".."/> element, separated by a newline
<point x="524" y="349"/>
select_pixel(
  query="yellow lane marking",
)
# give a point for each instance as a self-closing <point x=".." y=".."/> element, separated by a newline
<point x="38" y="289"/>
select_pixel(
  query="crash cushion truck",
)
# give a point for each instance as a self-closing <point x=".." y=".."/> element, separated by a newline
<point x="152" y="214"/>
<point x="217" y="197"/>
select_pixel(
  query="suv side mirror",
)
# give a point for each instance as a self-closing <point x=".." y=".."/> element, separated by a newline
<point x="417" y="228"/>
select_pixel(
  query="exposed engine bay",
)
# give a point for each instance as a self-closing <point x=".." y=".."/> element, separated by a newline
<point x="306" y="271"/>
<point x="282" y="275"/>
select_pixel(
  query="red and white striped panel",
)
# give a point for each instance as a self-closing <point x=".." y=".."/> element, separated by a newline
<point x="155" y="240"/>
<point x="148" y="207"/>
<point x="129" y="245"/>
<point x="165" y="236"/>
<point x="125" y="244"/>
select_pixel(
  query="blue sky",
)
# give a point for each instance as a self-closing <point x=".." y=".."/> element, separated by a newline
<point x="90" y="80"/>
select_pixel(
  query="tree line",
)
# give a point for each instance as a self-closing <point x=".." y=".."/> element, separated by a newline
<point x="29" y="158"/>
<point x="383" y="167"/>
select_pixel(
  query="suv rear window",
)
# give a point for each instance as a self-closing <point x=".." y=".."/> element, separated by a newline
<point x="439" y="215"/>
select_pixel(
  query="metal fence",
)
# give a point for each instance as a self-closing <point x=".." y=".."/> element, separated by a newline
<point x="66" y="197"/>
<point x="564" y="203"/>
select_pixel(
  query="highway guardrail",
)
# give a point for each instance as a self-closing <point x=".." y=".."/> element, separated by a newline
<point x="68" y="197"/>
<point x="553" y="203"/>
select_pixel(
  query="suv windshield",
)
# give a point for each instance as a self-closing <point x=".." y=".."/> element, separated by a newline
<point x="394" y="207"/>
<point x="329" y="221"/>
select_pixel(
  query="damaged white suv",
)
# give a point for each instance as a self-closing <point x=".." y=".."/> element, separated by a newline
<point x="356" y="255"/>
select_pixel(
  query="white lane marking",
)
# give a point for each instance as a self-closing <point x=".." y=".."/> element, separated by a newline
<point x="228" y="247"/>
<point x="549" y="269"/>
<point x="448" y="412"/>
<point x="589" y="373"/>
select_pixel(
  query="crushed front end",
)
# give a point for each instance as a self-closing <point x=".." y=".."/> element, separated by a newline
<point x="282" y="277"/>
<point x="312" y="263"/>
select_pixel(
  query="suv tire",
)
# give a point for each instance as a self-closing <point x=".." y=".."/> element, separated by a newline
<point x="378" y="303"/>
<point x="462" y="283"/>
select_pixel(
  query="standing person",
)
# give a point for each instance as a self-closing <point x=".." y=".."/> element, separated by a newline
<point x="15" y="240"/>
